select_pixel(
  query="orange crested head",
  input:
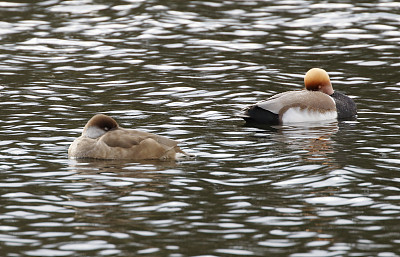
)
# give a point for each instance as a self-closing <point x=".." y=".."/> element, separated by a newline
<point x="317" y="79"/>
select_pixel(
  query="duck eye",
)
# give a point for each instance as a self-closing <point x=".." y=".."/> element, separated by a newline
<point x="106" y="128"/>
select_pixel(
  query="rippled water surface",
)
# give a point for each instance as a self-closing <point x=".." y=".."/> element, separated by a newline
<point x="184" y="69"/>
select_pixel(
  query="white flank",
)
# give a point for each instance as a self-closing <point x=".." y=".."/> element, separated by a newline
<point x="296" y="114"/>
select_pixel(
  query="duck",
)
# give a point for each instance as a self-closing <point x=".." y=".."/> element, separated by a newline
<point x="103" y="138"/>
<point x="316" y="102"/>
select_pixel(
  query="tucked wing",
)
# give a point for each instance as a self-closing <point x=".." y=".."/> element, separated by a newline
<point x="127" y="138"/>
<point x="313" y="100"/>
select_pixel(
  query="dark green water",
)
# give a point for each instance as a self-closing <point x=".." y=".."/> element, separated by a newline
<point x="184" y="69"/>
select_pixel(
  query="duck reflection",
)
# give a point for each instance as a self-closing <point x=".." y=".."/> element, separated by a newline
<point x="152" y="170"/>
<point x="93" y="165"/>
<point x="121" y="178"/>
<point x="312" y="141"/>
<point x="105" y="192"/>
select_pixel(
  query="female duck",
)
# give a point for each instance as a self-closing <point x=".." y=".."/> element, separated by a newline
<point x="318" y="102"/>
<point x="103" y="138"/>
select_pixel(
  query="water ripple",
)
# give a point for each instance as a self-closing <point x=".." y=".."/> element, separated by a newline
<point x="185" y="70"/>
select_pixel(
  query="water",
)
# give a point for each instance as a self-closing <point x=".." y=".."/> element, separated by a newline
<point x="184" y="69"/>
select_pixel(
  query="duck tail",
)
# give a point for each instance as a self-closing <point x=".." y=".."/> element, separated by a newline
<point x="180" y="154"/>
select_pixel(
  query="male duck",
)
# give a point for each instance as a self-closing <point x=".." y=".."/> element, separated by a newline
<point x="103" y="138"/>
<point x="318" y="102"/>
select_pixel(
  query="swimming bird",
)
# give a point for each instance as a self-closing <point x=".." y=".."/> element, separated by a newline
<point x="317" y="102"/>
<point x="103" y="138"/>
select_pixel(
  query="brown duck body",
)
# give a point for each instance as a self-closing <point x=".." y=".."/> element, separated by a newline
<point x="102" y="138"/>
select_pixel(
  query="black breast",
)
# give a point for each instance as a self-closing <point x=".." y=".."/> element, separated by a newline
<point x="345" y="106"/>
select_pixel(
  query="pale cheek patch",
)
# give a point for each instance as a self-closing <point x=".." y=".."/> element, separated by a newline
<point x="94" y="132"/>
<point x="296" y="114"/>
